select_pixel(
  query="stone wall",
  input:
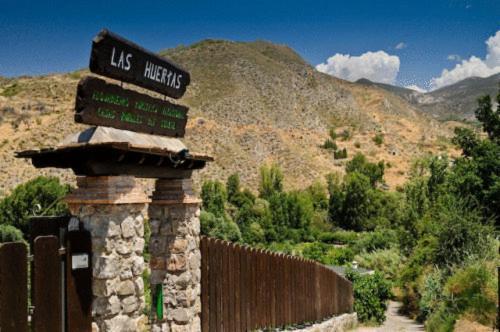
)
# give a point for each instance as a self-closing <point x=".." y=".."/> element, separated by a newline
<point x="175" y="255"/>
<point x="345" y="322"/>
<point x="113" y="210"/>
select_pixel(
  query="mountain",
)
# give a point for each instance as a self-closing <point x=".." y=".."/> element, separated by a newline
<point x="250" y="104"/>
<point x="453" y="102"/>
<point x="407" y="94"/>
<point x="459" y="100"/>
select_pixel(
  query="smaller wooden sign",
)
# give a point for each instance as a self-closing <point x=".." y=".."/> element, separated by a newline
<point x="104" y="104"/>
<point x="118" y="58"/>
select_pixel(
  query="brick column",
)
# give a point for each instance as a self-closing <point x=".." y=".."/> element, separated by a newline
<point x="175" y="254"/>
<point x="112" y="208"/>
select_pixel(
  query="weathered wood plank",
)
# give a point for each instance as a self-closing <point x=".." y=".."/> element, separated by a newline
<point x="79" y="283"/>
<point x="205" y="284"/>
<point x="118" y="58"/>
<point x="104" y="104"/>
<point x="48" y="315"/>
<point x="13" y="287"/>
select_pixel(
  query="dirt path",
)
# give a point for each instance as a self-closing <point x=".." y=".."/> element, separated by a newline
<point x="394" y="322"/>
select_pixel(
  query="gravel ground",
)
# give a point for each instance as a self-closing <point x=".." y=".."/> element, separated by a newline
<point x="394" y="322"/>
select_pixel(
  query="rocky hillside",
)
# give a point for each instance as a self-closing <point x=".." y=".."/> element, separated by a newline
<point x="453" y="102"/>
<point x="250" y="103"/>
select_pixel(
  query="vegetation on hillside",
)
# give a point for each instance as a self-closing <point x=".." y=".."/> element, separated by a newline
<point x="434" y="241"/>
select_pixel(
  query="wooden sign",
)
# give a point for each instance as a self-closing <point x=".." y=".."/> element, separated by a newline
<point x="104" y="104"/>
<point x="118" y="58"/>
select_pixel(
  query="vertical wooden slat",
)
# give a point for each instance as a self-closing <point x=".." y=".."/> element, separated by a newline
<point x="236" y="287"/>
<point x="205" y="290"/>
<point x="218" y="294"/>
<point x="13" y="287"/>
<point x="212" y="284"/>
<point x="243" y="288"/>
<point x="79" y="283"/>
<point x="229" y="289"/>
<point x="47" y="285"/>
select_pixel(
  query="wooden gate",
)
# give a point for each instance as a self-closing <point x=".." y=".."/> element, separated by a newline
<point x="60" y="290"/>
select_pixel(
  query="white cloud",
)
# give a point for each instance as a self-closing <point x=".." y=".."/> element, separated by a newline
<point x="401" y="45"/>
<point x="375" y="66"/>
<point x="416" y="88"/>
<point x="454" y="57"/>
<point x="474" y="66"/>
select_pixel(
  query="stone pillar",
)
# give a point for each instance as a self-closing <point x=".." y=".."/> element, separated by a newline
<point x="175" y="255"/>
<point x="112" y="208"/>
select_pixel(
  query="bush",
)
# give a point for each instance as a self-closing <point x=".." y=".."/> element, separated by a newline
<point x="378" y="139"/>
<point x="329" y="145"/>
<point x="371" y="293"/>
<point x="386" y="261"/>
<point x="332" y="133"/>
<point x="339" y="256"/>
<point x="340" y="154"/>
<point x="345" y="135"/>
<point x="473" y="291"/>
<point x="339" y="237"/>
<point x="214" y="196"/>
<point x="48" y="192"/>
<point x="375" y="172"/>
<point x="376" y="240"/>
<point x="9" y="233"/>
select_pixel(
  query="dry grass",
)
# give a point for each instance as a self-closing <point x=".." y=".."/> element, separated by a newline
<point x="250" y="103"/>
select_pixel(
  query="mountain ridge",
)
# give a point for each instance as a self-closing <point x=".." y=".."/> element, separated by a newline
<point x="452" y="102"/>
<point x="251" y="103"/>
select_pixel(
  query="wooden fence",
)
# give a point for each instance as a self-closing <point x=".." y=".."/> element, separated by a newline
<point x="244" y="289"/>
<point x="60" y="296"/>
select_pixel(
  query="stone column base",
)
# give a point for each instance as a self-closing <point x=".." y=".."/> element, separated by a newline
<point x="175" y="254"/>
<point x="112" y="208"/>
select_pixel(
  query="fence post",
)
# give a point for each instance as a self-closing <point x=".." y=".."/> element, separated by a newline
<point x="13" y="287"/>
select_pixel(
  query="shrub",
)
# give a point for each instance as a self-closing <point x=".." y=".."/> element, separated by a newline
<point x="11" y="90"/>
<point x="375" y="172"/>
<point x="340" y="154"/>
<point x="339" y="256"/>
<point x="48" y="192"/>
<point x="214" y="197"/>
<point x="332" y="133"/>
<point x="473" y="291"/>
<point x="9" y="233"/>
<point x="385" y="261"/>
<point x="371" y="293"/>
<point x="329" y="145"/>
<point x="316" y="251"/>
<point x="219" y="227"/>
<point x="376" y="240"/>
<point x="345" y="135"/>
<point x="378" y="139"/>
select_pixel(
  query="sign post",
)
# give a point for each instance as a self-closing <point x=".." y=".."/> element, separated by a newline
<point x="118" y="58"/>
<point x="105" y="104"/>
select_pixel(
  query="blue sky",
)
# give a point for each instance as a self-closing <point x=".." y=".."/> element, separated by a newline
<point x="55" y="36"/>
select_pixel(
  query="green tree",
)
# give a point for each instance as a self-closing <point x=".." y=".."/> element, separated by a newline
<point x="47" y="192"/>
<point x="271" y="181"/>
<point x="359" y="163"/>
<point x="489" y="118"/>
<point x="232" y="186"/>
<point x="214" y="197"/>
<point x="354" y="207"/>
